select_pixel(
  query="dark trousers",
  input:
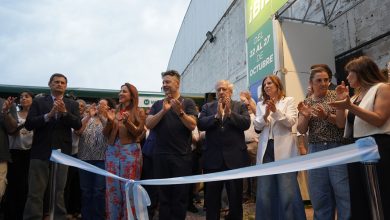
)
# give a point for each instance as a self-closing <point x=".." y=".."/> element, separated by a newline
<point x="173" y="198"/>
<point x="38" y="181"/>
<point x="17" y="187"/>
<point x="360" y="206"/>
<point x="249" y="187"/>
<point x="72" y="190"/>
<point x="213" y="197"/>
<point x="383" y="168"/>
<point x="147" y="173"/>
<point x="93" y="189"/>
<point x="196" y="170"/>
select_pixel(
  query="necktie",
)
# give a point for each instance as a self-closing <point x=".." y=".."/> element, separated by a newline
<point x="56" y="114"/>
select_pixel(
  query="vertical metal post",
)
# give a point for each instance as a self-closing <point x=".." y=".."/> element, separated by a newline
<point x="53" y="180"/>
<point x="373" y="190"/>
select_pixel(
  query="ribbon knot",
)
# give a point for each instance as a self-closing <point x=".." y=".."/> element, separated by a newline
<point x="135" y="192"/>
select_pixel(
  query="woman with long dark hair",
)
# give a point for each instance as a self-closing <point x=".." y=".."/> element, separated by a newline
<point x="366" y="114"/>
<point x="20" y="145"/>
<point x="124" y="126"/>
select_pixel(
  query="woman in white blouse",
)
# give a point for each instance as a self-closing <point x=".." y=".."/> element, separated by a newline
<point x="366" y="114"/>
<point x="278" y="196"/>
<point x="19" y="145"/>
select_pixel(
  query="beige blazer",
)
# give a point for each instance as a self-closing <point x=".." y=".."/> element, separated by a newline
<point x="126" y="132"/>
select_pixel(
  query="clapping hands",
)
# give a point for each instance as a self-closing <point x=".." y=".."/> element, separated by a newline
<point x="111" y="115"/>
<point x="176" y="106"/>
<point x="224" y="107"/>
<point x="342" y="91"/>
<point x="319" y="112"/>
<point x="343" y="99"/>
<point x="304" y="109"/>
<point x="7" y="104"/>
<point x="167" y="103"/>
<point x="316" y="111"/>
<point x="269" y="107"/>
<point x="92" y="110"/>
<point x="59" y="105"/>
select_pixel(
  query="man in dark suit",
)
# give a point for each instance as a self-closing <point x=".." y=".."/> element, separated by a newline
<point x="51" y="117"/>
<point x="224" y="121"/>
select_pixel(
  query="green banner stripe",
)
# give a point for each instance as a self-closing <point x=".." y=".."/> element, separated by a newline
<point x="258" y="12"/>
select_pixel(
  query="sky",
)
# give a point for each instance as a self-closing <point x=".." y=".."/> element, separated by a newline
<point x="95" y="43"/>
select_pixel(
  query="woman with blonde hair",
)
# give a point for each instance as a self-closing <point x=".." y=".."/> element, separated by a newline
<point x="124" y="126"/>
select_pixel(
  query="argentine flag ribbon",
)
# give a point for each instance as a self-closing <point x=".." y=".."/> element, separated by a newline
<point x="363" y="150"/>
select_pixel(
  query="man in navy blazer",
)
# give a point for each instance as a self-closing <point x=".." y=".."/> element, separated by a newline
<point x="51" y="117"/>
<point x="224" y="121"/>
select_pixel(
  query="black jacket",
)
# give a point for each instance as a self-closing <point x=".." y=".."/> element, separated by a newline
<point x="225" y="140"/>
<point x="54" y="134"/>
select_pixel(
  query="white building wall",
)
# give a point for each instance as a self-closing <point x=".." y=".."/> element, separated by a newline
<point x="201" y="16"/>
<point x="224" y="58"/>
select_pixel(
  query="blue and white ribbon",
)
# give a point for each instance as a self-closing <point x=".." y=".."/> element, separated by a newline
<point x="364" y="150"/>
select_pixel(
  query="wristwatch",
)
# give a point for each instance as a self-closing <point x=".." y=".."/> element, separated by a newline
<point x="181" y="114"/>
